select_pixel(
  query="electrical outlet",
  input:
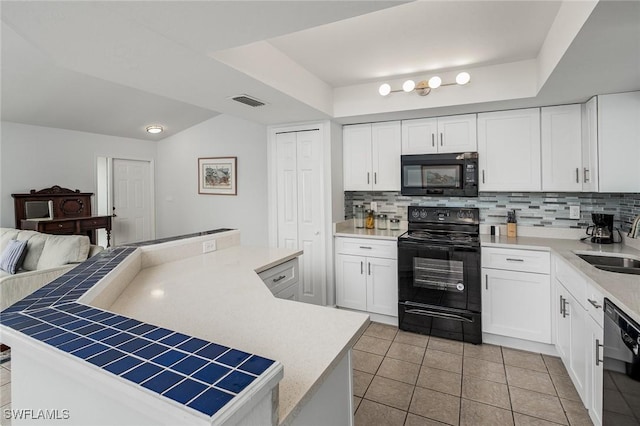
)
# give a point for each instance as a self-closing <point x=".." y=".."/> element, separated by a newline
<point x="574" y="212"/>
<point x="208" y="246"/>
<point x="374" y="206"/>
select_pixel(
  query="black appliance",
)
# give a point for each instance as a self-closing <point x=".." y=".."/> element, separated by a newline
<point x="601" y="231"/>
<point x="439" y="284"/>
<point x="454" y="175"/>
<point x="621" y="368"/>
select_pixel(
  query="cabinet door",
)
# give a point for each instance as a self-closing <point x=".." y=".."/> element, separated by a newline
<point x="287" y="192"/>
<point x="382" y="286"/>
<point x="351" y="282"/>
<point x="561" y="139"/>
<point x="356" y="144"/>
<point x="290" y="293"/>
<point x="578" y="341"/>
<point x="509" y="150"/>
<point x="618" y="147"/>
<point x="595" y="380"/>
<point x="457" y="133"/>
<point x="563" y="331"/>
<point x="419" y="136"/>
<point x="385" y="142"/>
<point x="590" y="146"/>
<point x="516" y="304"/>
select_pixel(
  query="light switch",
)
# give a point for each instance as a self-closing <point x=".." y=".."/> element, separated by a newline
<point x="374" y="206"/>
<point x="574" y="212"/>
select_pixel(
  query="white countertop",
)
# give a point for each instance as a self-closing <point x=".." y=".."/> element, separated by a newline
<point x="219" y="297"/>
<point x="348" y="229"/>
<point x="622" y="289"/>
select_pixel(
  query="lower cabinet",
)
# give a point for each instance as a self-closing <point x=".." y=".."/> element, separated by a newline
<point x="595" y="336"/>
<point x="365" y="282"/>
<point x="283" y="280"/>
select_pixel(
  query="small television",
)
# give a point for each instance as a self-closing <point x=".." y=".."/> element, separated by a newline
<point x="38" y="210"/>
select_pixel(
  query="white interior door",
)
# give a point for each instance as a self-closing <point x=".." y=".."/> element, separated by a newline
<point x="287" y="183"/>
<point x="132" y="202"/>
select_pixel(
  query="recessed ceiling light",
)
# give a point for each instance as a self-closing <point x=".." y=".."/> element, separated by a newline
<point x="154" y="129"/>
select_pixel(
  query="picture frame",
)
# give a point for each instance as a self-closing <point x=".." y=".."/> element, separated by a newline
<point x="217" y="176"/>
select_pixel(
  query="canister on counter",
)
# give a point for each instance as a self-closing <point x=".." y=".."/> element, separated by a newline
<point x="359" y="214"/>
<point x="382" y="221"/>
<point x="369" y="221"/>
<point x="394" y="224"/>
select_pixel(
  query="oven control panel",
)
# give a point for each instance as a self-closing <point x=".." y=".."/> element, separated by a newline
<point x="443" y="214"/>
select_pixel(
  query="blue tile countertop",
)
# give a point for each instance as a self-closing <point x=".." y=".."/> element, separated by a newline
<point x="198" y="374"/>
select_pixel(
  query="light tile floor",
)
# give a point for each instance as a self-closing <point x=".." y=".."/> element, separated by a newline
<point x="408" y="379"/>
<point x="5" y="392"/>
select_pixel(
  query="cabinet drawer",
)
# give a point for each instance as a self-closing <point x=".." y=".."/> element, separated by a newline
<point x="281" y="276"/>
<point x="595" y="304"/>
<point x="370" y="247"/>
<point x="58" y="227"/>
<point x="516" y="260"/>
<point x="94" y="223"/>
<point x="571" y="280"/>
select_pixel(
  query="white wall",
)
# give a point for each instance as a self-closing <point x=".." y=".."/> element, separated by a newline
<point x="179" y="207"/>
<point x="35" y="157"/>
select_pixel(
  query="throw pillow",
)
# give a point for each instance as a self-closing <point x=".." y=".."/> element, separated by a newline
<point x="13" y="256"/>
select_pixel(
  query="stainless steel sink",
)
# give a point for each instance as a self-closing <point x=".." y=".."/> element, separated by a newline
<point x="624" y="265"/>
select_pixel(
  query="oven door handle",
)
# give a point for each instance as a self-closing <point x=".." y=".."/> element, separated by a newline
<point x="437" y="314"/>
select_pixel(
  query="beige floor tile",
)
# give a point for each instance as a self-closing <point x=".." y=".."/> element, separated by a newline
<point x="607" y="381"/>
<point x="415" y="420"/>
<point x="381" y="331"/>
<point x="365" y="361"/>
<point x="564" y="387"/>
<point x="406" y="352"/>
<point x="399" y="370"/>
<point x="625" y="383"/>
<point x="522" y="359"/>
<point x="476" y="414"/>
<point x="412" y="339"/>
<point x="440" y="380"/>
<point x="389" y="392"/>
<point x="6" y="365"/>
<point x="487" y="392"/>
<point x="445" y="345"/>
<point x="537" y="404"/>
<point x="555" y="365"/>
<point x="484" y="370"/>
<point x="3" y="420"/>
<point x="372" y="345"/>
<point x="524" y="420"/>
<point x="486" y="352"/>
<point x="356" y="402"/>
<point x="443" y="361"/>
<point x="576" y="413"/>
<point x="361" y="382"/>
<point x="5" y="376"/>
<point x="5" y="394"/>
<point x="371" y="413"/>
<point x="613" y="401"/>
<point x="436" y="405"/>
<point x="530" y="379"/>
<point x="618" y="419"/>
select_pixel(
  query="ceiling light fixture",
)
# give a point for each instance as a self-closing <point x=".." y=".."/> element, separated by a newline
<point x="154" y="129"/>
<point x="424" y="87"/>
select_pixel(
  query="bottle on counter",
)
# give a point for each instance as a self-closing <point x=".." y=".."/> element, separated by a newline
<point x="369" y="221"/>
<point x="394" y="224"/>
<point x="359" y="215"/>
<point x="382" y="221"/>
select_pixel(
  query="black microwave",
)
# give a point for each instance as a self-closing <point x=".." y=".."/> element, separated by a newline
<point x="454" y="175"/>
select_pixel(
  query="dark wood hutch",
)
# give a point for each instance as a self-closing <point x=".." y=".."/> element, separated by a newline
<point x="71" y="211"/>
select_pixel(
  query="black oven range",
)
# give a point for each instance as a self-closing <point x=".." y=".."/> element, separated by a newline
<point x="439" y="284"/>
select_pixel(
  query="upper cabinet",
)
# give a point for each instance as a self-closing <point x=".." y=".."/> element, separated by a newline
<point x="619" y="142"/>
<point x="590" y="146"/>
<point x="372" y="156"/>
<point x="439" y="135"/>
<point x="561" y="137"/>
<point x="509" y="150"/>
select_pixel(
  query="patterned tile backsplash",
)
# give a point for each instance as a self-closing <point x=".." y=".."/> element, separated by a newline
<point x="532" y="208"/>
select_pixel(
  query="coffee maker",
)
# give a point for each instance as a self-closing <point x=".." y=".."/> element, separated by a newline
<point x="601" y="231"/>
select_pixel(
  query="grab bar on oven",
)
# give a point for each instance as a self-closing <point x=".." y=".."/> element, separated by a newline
<point x="437" y="314"/>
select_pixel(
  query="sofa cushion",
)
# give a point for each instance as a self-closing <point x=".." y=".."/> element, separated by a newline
<point x="35" y="244"/>
<point x="59" y="250"/>
<point x="6" y="235"/>
<point x="13" y="256"/>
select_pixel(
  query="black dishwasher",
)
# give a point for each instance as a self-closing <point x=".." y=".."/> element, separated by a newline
<point x="621" y="380"/>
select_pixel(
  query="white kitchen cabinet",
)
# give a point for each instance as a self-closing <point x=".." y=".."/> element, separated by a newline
<point x="618" y="147"/>
<point x="283" y="280"/>
<point x="516" y="294"/>
<point x="561" y="141"/>
<point x="595" y="336"/>
<point x="371" y="157"/>
<point x="365" y="281"/>
<point x="509" y="150"/>
<point x="590" y="145"/>
<point x="440" y="135"/>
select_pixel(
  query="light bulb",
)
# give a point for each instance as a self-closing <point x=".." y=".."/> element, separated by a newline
<point x="435" y="82"/>
<point x="384" y="89"/>
<point x="463" y="78"/>
<point x="154" y="129"/>
<point x="408" y="85"/>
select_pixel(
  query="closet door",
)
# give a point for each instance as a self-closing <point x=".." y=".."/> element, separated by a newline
<point x="287" y="192"/>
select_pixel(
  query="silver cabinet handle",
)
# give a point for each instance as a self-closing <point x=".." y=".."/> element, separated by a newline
<point x="564" y="308"/>
<point x="598" y="346"/>
<point x="511" y="259"/>
<point x="361" y="267"/>
<point x="595" y="304"/>
<point x="375" y="178"/>
<point x="482" y="175"/>
<point x="577" y="174"/>
<point x="586" y="175"/>
<point x="369" y="266"/>
<point x="441" y="139"/>
<point x="486" y="282"/>
<point x="368" y="175"/>
<point x="365" y="247"/>
<point x="280" y="278"/>
<point x="433" y="139"/>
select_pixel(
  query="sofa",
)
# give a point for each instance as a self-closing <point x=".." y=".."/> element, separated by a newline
<point x="47" y="257"/>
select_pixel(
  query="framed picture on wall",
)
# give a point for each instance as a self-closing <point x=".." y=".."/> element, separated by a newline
<point x="217" y="176"/>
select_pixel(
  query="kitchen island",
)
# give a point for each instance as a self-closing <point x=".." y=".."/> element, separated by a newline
<point x="211" y="305"/>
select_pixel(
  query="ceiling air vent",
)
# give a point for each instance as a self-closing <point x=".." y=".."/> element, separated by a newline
<point x="248" y="100"/>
